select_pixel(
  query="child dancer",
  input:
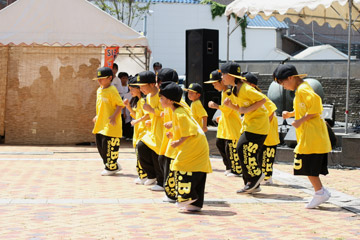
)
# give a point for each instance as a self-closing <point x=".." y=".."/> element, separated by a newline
<point x="135" y="107"/>
<point x="229" y="127"/>
<point x="268" y="150"/>
<point x="192" y="161"/>
<point x="197" y="109"/>
<point x="248" y="101"/>
<point x="313" y="142"/>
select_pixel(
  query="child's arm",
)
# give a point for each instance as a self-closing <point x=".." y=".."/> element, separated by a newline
<point x="305" y="118"/>
<point x="204" y="121"/>
<point x="177" y="143"/>
<point x="116" y="113"/>
<point x="127" y="105"/>
<point x="143" y="118"/>
<point x="252" y="107"/>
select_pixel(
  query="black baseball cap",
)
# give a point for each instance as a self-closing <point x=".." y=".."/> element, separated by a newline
<point x="132" y="82"/>
<point x="144" y="78"/>
<point x="104" y="72"/>
<point x="167" y="75"/>
<point x="195" y="87"/>
<point x="284" y="71"/>
<point x="251" y="78"/>
<point x="171" y="91"/>
<point x="232" y="68"/>
<point x="215" y="76"/>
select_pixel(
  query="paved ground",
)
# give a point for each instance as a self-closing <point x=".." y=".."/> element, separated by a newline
<point x="58" y="193"/>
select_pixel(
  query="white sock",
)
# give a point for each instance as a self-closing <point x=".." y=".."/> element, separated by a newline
<point x="320" y="192"/>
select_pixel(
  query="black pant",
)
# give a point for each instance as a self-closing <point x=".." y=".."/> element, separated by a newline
<point x="108" y="148"/>
<point x="268" y="156"/>
<point x="228" y="151"/>
<point x="150" y="163"/>
<point x="248" y="147"/>
<point x="140" y="170"/>
<point x="189" y="186"/>
<point x="169" y="177"/>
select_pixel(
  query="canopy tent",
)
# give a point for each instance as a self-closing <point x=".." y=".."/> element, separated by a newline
<point x="49" y="52"/>
<point x="343" y="12"/>
<point x="321" y="52"/>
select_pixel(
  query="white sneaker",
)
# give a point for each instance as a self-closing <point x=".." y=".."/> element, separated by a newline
<point x="186" y="203"/>
<point x="230" y="174"/>
<point x="140" y="181"/>
<point x="150" y="181"/>
<point x="192" y="208"/>
<point x="268" y="181"/>
<point x="109" y="173"/>
<point x="227" y="172"/>
<point x="318" y="199"/>
<point x="157" y="188"/>
<point x="167" y="199"/>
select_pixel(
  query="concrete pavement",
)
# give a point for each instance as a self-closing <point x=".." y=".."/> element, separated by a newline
<point x="56" y="192"/>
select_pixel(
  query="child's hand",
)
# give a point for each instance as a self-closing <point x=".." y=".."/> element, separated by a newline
<point x="205" y="129"/>
<point x="285" y="114"/>
<point x="227" y="102"/>
<point x="112" y="120"/>
<point x="168" y="125"/>
<point x="126" y="102"/>
<point x="296" y="123"/>
<point x="175" y="144"/>
<point x="148" y="123"/>
<point x="162" y="114"/>
<point x="218" y="119"/>
<point x="94" y="119"/>
<point x="213" y="105"/>
<point x="169" y="135"/>
<point x="133" y="122"/>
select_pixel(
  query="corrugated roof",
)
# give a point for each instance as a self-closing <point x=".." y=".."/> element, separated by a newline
<point x="258" y="21"/>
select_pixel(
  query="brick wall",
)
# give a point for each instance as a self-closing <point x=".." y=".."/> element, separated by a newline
<point x="50" y="95"/>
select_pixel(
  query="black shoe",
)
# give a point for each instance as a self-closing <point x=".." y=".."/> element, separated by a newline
<point x="250" y="186"/>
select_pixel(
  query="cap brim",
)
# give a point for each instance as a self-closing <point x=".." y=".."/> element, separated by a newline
<point x="236" y="76"/>
<point x="213" y="81"/>
<point x="187" y="90"/>
<point x="301" y="75"/>
<point x="100" y="78"/>
<point x="139" y="84"/>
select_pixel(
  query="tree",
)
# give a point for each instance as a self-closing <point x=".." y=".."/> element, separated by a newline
<point x="125" y="11"/>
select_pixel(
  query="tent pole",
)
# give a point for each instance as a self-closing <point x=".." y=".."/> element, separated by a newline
<point x="227" y="40"/>
<point x="348" y="68"/>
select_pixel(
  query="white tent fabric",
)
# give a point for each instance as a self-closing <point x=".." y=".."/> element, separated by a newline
<point x="333" y="12"/>
<point x="64" y="22"/>
<point x="322" y="52"/>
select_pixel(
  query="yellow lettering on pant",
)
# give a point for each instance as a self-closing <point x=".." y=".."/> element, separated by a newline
<point x="297" y="163"/>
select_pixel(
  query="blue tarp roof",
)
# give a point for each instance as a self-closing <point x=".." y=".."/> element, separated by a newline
<point x="258" y="21"/>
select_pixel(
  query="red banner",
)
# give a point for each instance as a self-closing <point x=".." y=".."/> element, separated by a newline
<point x="110" y="55"/>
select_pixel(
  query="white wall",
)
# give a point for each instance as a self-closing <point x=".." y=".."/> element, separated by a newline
<point x="166" y="28"/>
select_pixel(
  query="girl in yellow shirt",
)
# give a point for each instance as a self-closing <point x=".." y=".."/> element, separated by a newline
<point x="248" y="101"/>
<point x="268" y="150"/>
<point x="229" y="127"/>
<point x="312" y="136"/>
<point x="192" y="161"/>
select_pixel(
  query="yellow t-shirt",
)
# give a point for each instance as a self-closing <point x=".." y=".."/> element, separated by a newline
<point x="106" y="102"/>
<point x="166" y="148"/>
<point x="312" y="136"/>
<point x="153" y="138"/>
<point x="139" y="128"/>
<point x="272" y="138"/>
<point x="193" y="153"/>
<point x="256" y="121"/>
<point x="198" y="111"/>
<point x="229" y="126"/>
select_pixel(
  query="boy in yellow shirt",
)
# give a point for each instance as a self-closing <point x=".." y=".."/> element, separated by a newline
<point x="250" y="102"/>
<point x="268" y="150"/>
<point x="199" y="113"/>
<point x="192" y="161"/>
<point x="229" y="127"/>
<point x="313" y="143"/>
<point x="107" y="122"/>
<point x="149" y="145"/>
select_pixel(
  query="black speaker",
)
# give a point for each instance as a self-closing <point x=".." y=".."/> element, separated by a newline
<point x="202" y="57"/>
<point x="290" y="138"/>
